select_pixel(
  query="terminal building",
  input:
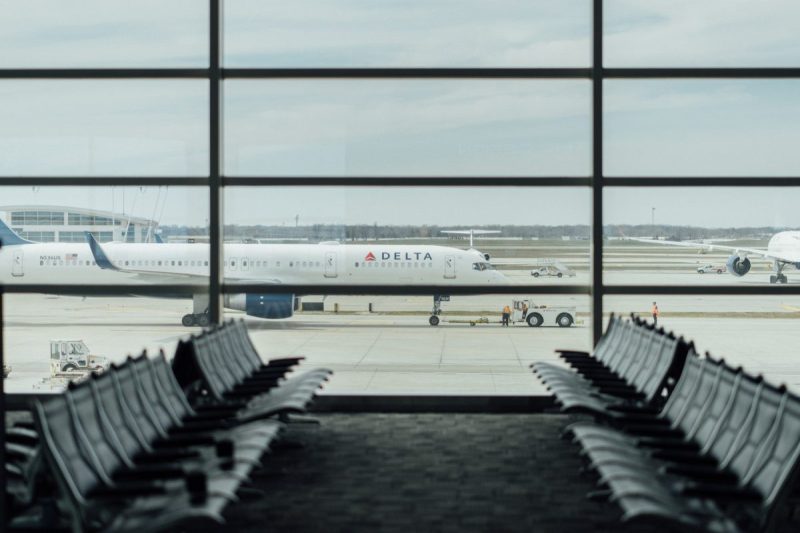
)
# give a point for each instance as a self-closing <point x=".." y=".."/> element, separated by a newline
<point x="49" y="223"/>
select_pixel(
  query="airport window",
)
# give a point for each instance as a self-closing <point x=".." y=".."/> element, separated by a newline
<point x="415" y="133"/>
<point x="37" y="218"/>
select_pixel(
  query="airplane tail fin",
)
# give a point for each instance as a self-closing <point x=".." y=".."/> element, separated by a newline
<point x="99" y="254"/>
<point x="9" y="238"/>
<point x="159" y="240"/>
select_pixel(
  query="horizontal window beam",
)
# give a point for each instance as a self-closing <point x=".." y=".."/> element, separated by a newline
<point x="432" y="72"/>
<point x="389" y="290"/>
<point x="701" y="72"/>
<point x="702" y="290"/>
<point x="107" y="290"/>
<point x="100" y="181"/>
<point x="703" y="181"/>
<point x="417" y="181"/>
<point x="399" y="181"/>
<point x="102" y="73"/>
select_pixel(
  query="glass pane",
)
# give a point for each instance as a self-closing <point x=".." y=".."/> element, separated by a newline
<point x="51" y="340"/>
<point x="104" y="128"/>
<point x="531" y="235"/>
<point x="145" y="234"/>
<point x="103" y="33"/>
<point x="712" y="33"/>
<point x="392" y="349"/>
<point x="407" y="127"/>
<point x="355" y="33"/>
<point x="752" y="331"/>
<point x="397" y="236"/>
<point x="702" y="128"/>
<point x="700" y="236"/>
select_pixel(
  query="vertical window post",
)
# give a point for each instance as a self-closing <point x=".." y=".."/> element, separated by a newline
<point x="215" y="163"/>
<point x="597" y="172"/>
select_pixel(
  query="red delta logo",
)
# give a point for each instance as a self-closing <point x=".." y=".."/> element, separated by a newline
<point x="369" y="257"/>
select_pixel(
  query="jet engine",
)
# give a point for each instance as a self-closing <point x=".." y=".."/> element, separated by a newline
<point x="262" y="305"/>
<point x="738" y="266"/>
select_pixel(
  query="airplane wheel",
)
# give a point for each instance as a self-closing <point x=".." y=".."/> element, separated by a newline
<point x="719" y="271"/>
<point x="782" y="279"/>
<point x="203" y="320"/>
<point x="559" y="274"/>
<point x="188" y="321"/>
<point x="535" y="320"/>
<point x="564" y="320"/>
<point x="535" y="274"/>
<point x="772" y="279"/>
<point x="433" y="320"/>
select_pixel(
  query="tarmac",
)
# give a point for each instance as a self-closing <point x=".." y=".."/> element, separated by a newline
<point x="393" y="350"/>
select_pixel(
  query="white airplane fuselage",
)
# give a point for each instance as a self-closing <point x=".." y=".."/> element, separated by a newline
<point x="288" y="264"/>
<point x="785" y="244"/>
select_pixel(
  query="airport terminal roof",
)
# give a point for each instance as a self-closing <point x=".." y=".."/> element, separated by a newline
<point x="79" y="210"/>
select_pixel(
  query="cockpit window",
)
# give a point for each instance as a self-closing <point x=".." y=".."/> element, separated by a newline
<point x="482" y="266"/>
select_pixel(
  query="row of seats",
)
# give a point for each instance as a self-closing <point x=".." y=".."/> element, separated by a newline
<point x="126" y="449"/>
<point x="721" y="453"/>
<point x="632" y="368"/>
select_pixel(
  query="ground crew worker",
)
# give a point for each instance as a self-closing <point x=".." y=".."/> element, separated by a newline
<point x="524" y="310"/>
<point x="655" y="314"/>
<point x="506" y="314"/>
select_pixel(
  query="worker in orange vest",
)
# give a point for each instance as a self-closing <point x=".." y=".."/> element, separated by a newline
<point x="506" y="314"/>
<point x="655" y="314"/>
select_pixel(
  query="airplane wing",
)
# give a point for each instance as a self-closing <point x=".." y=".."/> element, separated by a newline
<point x="105" y="263"/>
<point x="711" y="247"/>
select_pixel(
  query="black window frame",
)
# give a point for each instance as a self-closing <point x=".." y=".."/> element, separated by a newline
<point x="216" y="181"/>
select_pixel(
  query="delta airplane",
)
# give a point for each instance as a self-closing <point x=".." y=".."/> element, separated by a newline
<point x="328" y="263"/>
<point x="783" y="250"/>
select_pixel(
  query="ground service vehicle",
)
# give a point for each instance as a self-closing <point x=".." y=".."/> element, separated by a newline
<point x="70" y="357"/>
<point x="546" y="271"/>
<point x="711" y="268"/>
<point x="541" y="315"/>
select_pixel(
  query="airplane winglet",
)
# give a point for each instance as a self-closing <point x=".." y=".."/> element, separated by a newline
<point x="9" y="238"/>
<point x="100" y="256"/>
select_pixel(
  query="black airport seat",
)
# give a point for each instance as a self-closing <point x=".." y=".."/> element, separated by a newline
<point x="630" y="373"/>
<point x="94" y="501"/>
<point x="139" y="415"/>
<point x="722" y="455"/>
<point x="226" y="377"/>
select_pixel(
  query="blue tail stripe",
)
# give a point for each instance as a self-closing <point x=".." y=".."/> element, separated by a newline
<point x="9" y="238"/>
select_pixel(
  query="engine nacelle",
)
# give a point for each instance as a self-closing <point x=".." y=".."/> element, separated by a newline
<point x="262" y="305"/>
<point x="737" y="266"/>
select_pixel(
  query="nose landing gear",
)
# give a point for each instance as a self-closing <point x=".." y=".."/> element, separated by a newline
<point x="437" y="309"/>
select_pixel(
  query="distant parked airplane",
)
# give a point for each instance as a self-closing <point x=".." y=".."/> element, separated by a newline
<point x="783" y="250"/>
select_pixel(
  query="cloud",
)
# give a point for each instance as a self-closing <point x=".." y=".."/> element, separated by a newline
<point x="688" y="33"/>
<point x="103" y="33"/>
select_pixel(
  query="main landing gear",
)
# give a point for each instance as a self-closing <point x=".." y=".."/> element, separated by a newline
<point x="196" y="319"/>
<point x="200" y="315"/>
<point x="778" y="276"/>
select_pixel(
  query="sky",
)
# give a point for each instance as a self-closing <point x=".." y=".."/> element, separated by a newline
<point x="418" y="127"/>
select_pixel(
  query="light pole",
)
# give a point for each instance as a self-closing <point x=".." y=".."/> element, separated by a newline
<point x="653" y="218"/>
